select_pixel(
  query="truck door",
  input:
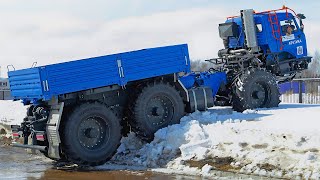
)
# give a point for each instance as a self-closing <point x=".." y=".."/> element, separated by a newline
<point x="261" y="37"/>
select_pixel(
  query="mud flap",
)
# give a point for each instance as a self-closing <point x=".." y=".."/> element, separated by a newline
<point x="53" y="130"/>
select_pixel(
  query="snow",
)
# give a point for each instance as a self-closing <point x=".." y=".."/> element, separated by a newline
<point x="285" y="138"/>
<point x="206" y="169"/>
<point x="279" y="142"/>
<point x="12" y="113"/>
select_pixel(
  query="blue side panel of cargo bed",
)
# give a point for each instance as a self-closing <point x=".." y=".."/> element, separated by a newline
<point x="155" y="62"/>
<point x="117" y="69"/>
<point x="81" y="75"/>
<point x="25" y="84"/>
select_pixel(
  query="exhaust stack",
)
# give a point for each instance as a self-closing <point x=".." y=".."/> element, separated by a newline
<point x="249" y="30"/>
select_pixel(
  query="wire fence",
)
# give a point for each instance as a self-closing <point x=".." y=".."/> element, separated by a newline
<point x="304" y="90"/>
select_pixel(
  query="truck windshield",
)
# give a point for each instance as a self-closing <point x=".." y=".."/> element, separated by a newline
<point x="288" y="26"/>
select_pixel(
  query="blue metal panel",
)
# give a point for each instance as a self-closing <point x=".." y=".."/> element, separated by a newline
<point x="291" y="87"/>
<point x="155" y="62"/>
<point x="205" y="79"/>
<point x="25" y="84"/>
<point x="214" y="81"/>
<point x="240" y="39"/>
<point x="117" y="69"/>
<point x="188" y="80"/>
<point x="80" y="75"/>
<point x="233" y="42"/>
<point x="261" y="36"/>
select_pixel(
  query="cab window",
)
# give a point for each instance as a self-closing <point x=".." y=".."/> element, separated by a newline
<point x="288" y="27"/>
<point x="259" y="28"/>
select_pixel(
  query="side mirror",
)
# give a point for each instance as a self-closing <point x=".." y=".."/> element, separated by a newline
<point x="301" y="17"/>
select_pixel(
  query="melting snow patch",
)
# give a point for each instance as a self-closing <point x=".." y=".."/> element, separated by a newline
<point x="279" y="142"/>
<point x="12" y="113"/>
<point x="206" y="169"/>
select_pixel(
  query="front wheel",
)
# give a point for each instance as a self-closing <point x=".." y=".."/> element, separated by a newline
<point x="91" y="134"/>
<point x="255" y="89"/>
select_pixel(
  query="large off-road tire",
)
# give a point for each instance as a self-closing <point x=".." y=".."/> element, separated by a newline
<point x="156" y="106"/>
<point x="255" y="89"/>
<point x="91" y="134"/>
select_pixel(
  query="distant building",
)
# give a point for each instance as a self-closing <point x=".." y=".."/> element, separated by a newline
<point x="4" y="89"/>
<point x="4" y="84"/>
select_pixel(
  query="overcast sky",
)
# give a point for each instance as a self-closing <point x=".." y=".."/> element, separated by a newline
<point x="54" y="31"/>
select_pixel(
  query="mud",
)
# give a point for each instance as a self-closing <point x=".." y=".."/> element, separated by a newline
<point x="56" y="174"/>
<point x="15" y="163"/>
<point x="222" y="164"/>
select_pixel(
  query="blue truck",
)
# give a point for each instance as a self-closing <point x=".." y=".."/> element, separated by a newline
<point x="79" y="110"/>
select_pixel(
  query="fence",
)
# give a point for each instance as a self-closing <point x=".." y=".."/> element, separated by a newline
<point x="305" y="90"/>
<point x="5" y="95"/>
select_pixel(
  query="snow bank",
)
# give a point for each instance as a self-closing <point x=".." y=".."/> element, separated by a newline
<point x="12" y="113"/>
<point x="280" y="142"/>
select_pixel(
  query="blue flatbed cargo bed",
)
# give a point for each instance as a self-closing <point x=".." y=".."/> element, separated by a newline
<point x="45" y="82"/>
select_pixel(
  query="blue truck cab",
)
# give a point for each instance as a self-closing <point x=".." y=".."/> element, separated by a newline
<point x="281" y="51"/>
<point x="274" y="42"/>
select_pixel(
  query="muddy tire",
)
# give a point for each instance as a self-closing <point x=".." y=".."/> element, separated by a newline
<point x="156" y="106"/>
<point x="91" y="134"/>
<point x="255" y="89"/>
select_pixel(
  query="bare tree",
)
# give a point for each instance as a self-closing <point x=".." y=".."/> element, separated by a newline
<point x="200" y="65"/>
<point x="314" y="67"/>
